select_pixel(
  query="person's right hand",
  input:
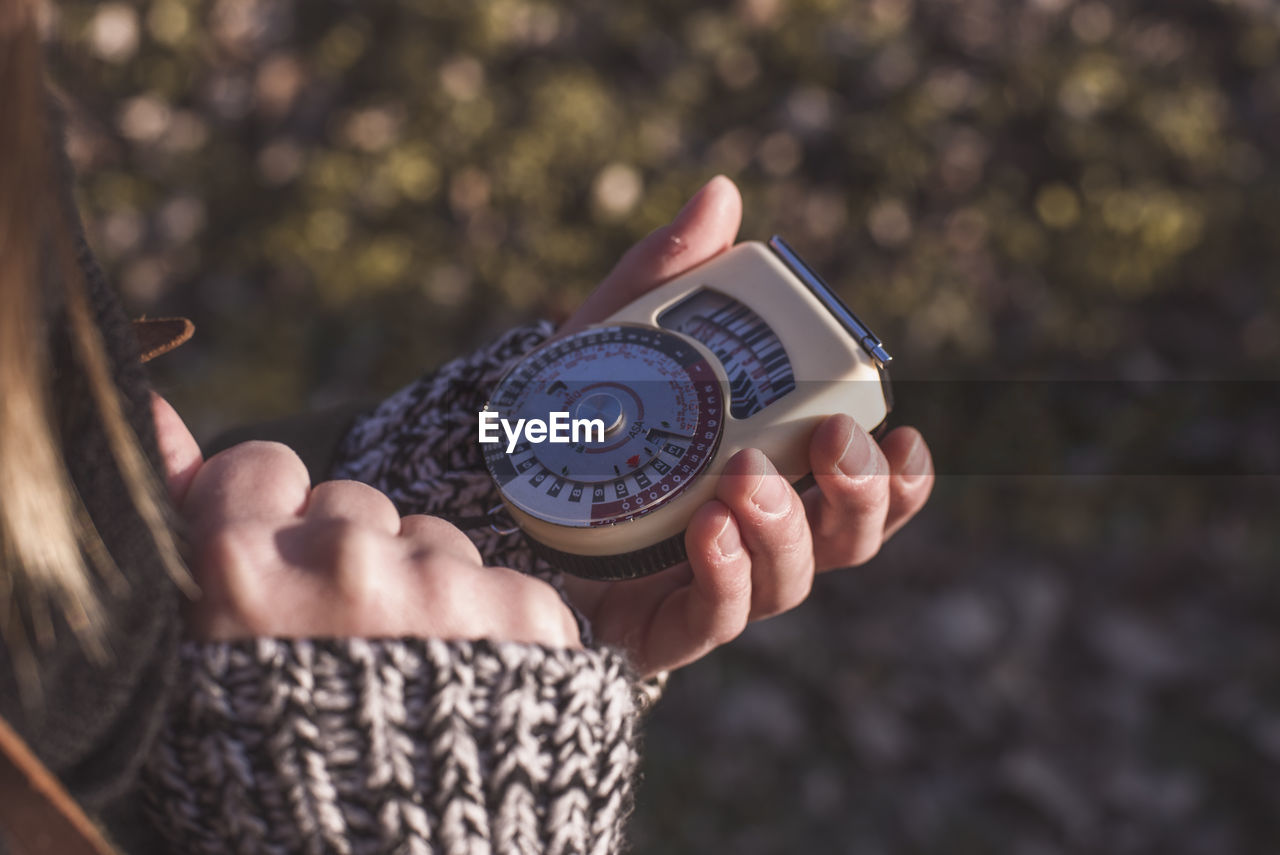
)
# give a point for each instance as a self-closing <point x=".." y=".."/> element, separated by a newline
<point x="276" y="557"/>
<point x="753" y="549"/>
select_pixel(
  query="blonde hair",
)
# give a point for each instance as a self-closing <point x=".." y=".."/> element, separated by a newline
<point x="45" y="531"/>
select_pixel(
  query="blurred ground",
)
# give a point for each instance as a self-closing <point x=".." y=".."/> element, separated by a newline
<point x="1075" y="649"/>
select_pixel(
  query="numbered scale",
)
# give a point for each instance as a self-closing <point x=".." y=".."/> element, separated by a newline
<point x="750" y="350"/>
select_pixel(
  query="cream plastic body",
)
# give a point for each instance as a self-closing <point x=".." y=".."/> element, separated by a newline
<point x="833" y="375"/>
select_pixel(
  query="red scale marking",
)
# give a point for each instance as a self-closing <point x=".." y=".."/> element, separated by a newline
<point x="607" y="513"/>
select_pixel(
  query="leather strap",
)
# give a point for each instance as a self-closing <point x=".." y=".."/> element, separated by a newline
<point x="37" y="816"/>
<point x="157" y="336"/>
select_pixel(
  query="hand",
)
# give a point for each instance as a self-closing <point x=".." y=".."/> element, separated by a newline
<point x="754" y="549"/>
<point x="276" y="557"/>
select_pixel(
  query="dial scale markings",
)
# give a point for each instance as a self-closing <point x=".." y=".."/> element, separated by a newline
<point x="669" y="427"/>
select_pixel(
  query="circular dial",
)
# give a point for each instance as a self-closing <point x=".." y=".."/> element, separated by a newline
<point x="658" y="412"/>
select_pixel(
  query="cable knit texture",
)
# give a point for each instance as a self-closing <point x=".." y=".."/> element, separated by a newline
<point x="404" y="745"/>
<point x="395" y="746"/>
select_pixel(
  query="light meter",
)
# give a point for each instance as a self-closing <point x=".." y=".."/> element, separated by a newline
<point x="638" y="414"/>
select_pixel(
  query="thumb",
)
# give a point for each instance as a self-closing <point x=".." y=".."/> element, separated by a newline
<point x="705" y="227"/>
<point x="178" y="449"/>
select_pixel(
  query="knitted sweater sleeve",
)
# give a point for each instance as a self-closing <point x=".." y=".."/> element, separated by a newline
<point x="395" y="746"/>
<point x="403" y="745"/>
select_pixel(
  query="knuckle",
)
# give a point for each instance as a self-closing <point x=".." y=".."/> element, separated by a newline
<point x="352" y="500"/>
<point x="788" y="591"/>
<point x="346" y="545"/>
<point x="441" y="575"/>
<point x="864" y="550"/>
<point x="876" y="478"/>
<point x="910" y="496"/>
<point x="261" y="454"/>
<point x="232" y="573"/>
<point x="245" y="479"/>
<point x="547" y="616"/>
<point x="437" y="535"/>
<point x="346" y="489"/>
<point x="727" y="630"/>
<point x="784" y="539"/>
<point x="357" y="563"/>
<point x="798" y="590"/>
<point x="791" y="552"/>
<point x="764" y="606"/>
<point x="225" y="557"/>
<point x="795" y="524"/>
<point x="331" y="491"/>
<point x="856" y="495"/>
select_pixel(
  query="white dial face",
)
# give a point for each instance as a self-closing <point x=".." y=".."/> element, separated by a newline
<point x="661" y="406"/>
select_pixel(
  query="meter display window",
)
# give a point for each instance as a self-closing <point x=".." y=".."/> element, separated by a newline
<point x="753" y="357"/>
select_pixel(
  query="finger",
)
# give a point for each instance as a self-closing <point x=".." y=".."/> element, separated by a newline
<point x="251" y="481"/>
<point x="912" y="477"/>
<point x="242" y="570"/>
<point x="433" y="533"/>
<point x="623" y="614"/>
<point x="465" y="600"/>
<point x="542" y="617"/>
<point x="677" y="616"/>
<point x="714" y="606"/>
<point x="706" y="226"/>
<point x="848" y="505"/>
<point x="352" y="500"/>
<point x="179" y="450"/>
<point x="772" y="521"/>
<point x="338" y="577"/>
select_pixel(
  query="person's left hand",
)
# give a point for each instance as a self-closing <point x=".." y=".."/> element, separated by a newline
<point x="276" y="557"/>
<point x="754" y="549"/>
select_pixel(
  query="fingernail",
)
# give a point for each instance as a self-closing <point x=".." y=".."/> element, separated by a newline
<point x="770" y="494"/>
<point x="916" y="466"/>
<point x="857" y="459"/>
<point x="729" y="541"/>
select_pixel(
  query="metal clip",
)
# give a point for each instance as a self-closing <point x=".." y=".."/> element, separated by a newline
<point x="851" y="322"/>
<point x="494" y="527"/>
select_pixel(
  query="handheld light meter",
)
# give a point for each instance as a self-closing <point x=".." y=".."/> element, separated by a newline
<point x="749" y="350"/>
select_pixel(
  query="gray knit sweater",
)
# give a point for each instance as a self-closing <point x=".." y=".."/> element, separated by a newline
<point x="403" y="745"/>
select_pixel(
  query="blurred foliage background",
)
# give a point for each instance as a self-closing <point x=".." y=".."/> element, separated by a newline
<point x="1061" y="217"/>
